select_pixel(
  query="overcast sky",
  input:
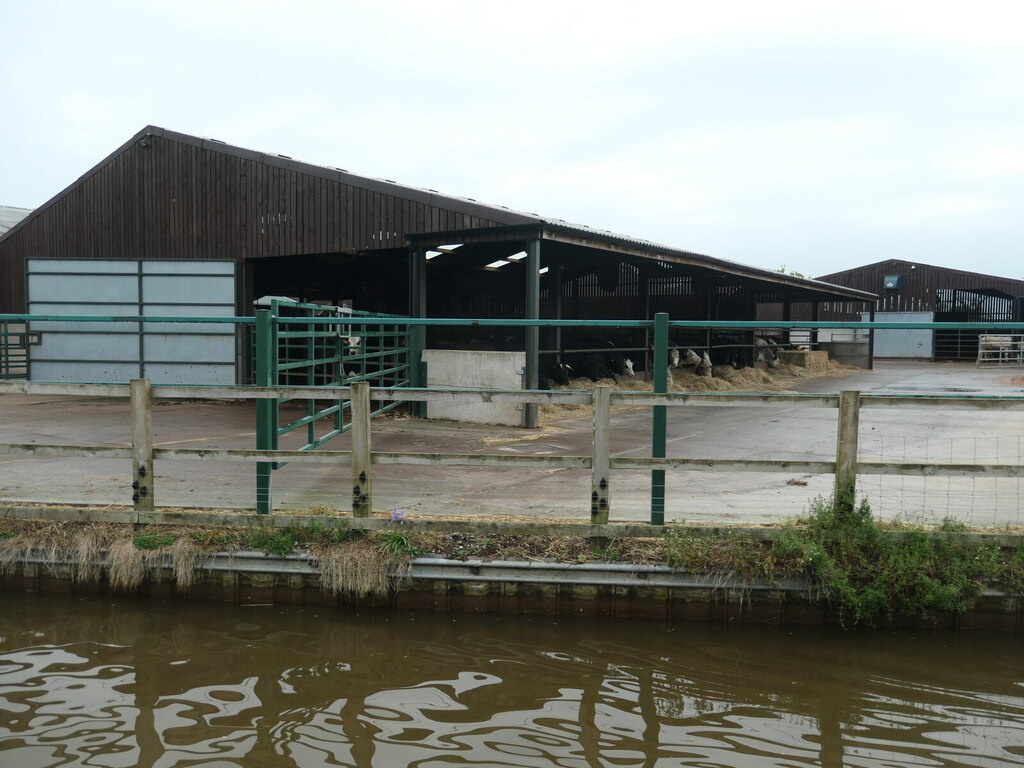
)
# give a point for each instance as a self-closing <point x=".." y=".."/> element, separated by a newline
<point x="816" y="135"/>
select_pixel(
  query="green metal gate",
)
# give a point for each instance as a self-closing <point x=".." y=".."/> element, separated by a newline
<point x="14" y="341"/>
<point x="313" y="345"/>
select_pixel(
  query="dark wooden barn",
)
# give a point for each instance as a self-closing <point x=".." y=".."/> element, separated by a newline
<point x="323" y="234"/>
<point x="951" y="295"/>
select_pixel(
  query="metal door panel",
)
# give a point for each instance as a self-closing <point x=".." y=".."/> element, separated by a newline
<point x="197" y="348"/>
<point x="904" y="343"/>
<point x="59" y="345"/>
<point x="187" y="267"/>
<point x="84" y="266"/>
<point x="202" y="353"/>
<point x="187" y="372"/>
<point x="187" y="290"/>
<point x="116" y="289"/>
<point x="97" y="373"/>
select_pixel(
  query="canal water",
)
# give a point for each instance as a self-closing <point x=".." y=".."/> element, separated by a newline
<point x="97" y="681"/>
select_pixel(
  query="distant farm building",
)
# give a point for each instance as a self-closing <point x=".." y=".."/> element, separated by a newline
<point x="9" y="216"/>
<point x="914" y="291"/>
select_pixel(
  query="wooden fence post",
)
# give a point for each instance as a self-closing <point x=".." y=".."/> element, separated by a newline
<point x="846" y="450"/>
<point x="140" y="403"/>
<point x="362" y="473"/>
<point x="599" y="495"/>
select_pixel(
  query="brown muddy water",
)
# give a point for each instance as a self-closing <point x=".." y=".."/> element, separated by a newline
<point x="96" y="681"/>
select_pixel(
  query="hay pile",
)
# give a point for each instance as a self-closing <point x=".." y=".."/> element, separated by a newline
<point x="725" y="379"/>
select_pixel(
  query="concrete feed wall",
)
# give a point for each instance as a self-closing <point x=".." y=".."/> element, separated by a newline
<point x="475" y="368"/>
<point x="853" y="353"/>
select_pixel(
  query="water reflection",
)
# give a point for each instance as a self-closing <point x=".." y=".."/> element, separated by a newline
<point x="101" y="682"/>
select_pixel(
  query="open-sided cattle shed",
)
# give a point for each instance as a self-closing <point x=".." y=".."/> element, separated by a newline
<point x="319" y="233"/>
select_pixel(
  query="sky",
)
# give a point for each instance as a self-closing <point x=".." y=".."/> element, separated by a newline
<point x="811" y="136"/>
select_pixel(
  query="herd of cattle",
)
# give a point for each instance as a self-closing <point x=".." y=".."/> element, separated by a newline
<point x="596" y="358"/>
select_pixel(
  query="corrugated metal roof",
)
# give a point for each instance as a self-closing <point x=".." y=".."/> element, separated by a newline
<point x="514" y="217"/>
<point x="9" y="216"/>
<point x="716" y="263"/>
<point x="636" y="247"/>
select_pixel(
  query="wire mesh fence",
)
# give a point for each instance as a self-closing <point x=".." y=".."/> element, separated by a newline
<point x="976" y="499"/>
<point x="720" y="435"/>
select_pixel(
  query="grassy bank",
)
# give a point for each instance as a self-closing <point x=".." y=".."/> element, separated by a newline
<point x="866" y="571"/>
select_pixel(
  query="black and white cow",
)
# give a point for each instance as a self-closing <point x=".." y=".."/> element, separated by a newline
<point x="595" y="358"/>
<point x="766" y="351"/>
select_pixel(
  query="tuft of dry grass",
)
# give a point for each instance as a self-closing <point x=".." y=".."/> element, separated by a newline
<point x="89" y="543"/>
<point x="82" y="546"/>
<point x="354" y="568"/>
<point x="186" y="558"/>
<point x="54" y="542"/>
<point x="724" y="558"/>
<point x="126" y="565"/>
<point x="16" y="549"/>
<point x="58" y="543"/>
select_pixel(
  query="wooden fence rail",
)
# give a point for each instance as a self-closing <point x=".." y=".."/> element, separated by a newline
<point x="362" y="457"/>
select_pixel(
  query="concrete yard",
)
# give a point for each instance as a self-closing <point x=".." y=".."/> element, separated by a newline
<point x="777" y="432"/>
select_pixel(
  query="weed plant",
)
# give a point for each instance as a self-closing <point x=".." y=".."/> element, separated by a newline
<point x="214" y="538"/>
<point x="283" y="541"/>
<point x="867" y="570"/>
<point x="153" y="540"/>
<point x="727" y="556"/>
<point x="869" y="573"/>
<point x="398" y="545"/>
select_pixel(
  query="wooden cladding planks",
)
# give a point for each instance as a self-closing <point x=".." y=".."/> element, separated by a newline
<point x="183" y="198"/>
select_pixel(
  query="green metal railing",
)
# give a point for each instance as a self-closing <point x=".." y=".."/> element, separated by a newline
<point x="303" y="344"/>
<point x="14" y="341"/>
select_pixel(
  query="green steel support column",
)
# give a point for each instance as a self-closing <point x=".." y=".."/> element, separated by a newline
<point x="645" y="297"/>
<point x="5" y="368"/>
<point x="871" y="338"/>
<point x="417" y="333"/>
<point x="311" y="353"/>
<point x="658" y="417"/>
<point x="266" y="408"/>
<point x="787" y="312"/>
<point x="552" y="337"/>
<point x="532" y="368"/>
<point x="340" y="347"/>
